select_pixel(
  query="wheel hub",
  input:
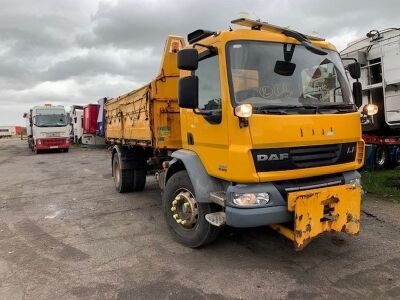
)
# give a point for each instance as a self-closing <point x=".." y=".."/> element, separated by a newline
<point x="184" y="209"/>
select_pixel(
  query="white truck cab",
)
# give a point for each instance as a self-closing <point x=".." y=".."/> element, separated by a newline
<point x="77" y="123"/>
<point x="47" y="128"/>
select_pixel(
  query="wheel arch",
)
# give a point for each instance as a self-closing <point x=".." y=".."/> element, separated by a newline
<point x="202" y="182"/>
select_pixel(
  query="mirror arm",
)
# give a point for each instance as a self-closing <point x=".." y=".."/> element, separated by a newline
<point x="212" y="49"/>
<point x="243" y="122"/>
<point x="197" y="111"/>
<point x="350" y="58"/>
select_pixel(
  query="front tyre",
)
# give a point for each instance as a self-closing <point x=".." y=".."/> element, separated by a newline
<point x="185" y="217"/>
<point x="382" y="157"/>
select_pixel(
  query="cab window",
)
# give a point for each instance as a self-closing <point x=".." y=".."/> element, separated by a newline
<point x="209" y="84"/>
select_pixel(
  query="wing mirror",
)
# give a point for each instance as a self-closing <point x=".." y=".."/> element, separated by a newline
<point x="188" y="92"/>
<point x="354" y="70"/>
<point x="188" y="59"/>
<point x="357" y="93"/>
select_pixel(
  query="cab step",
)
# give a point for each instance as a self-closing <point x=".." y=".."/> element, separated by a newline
<point x="217" y="219"/>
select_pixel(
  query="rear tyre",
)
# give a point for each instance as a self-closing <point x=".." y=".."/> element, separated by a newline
<point x="122" y="178"/>
<point x="139" y="179"/>
<point x="397" y="157"/>
<point x="382" y="157"/>
<point x="185" y="217"/>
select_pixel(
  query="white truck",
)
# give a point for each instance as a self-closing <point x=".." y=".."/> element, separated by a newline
<point x="77" y="123"/>
<point x="7" y="131"/>
<point x="379" y="55"/>
<point x="47" y="128"/>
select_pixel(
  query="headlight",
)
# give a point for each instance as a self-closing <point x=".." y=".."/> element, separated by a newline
<point x="370" y="109"/>
<point x="244" y="110"/>
<point x="355" y="182"/>
<point x="250" y="199"/>
<point x="39" y="141"/>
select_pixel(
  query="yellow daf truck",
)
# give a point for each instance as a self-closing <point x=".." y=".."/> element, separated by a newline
<point x="252" y="126"/>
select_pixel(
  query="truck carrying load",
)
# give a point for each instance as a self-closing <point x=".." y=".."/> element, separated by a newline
<point x="248" y="127"/>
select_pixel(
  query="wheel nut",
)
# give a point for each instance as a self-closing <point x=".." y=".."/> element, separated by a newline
<point x="175" y="216"/>
<point x="174" y="202"/>
<point x="173" y="208"/>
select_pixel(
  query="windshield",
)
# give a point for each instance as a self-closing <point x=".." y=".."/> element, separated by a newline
<point x="50" y="120"/>
<point x="285" y="75"/>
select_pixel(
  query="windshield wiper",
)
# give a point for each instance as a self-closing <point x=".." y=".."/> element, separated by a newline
<point x="338" y="106"/>
<point x="289" y="106"/>
<point x="282" y="109"/>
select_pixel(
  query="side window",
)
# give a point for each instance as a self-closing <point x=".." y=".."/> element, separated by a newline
<point x="209" y="84"/>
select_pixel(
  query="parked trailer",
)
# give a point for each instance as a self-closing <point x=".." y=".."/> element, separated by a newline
<point x="379" y="55"/>
<point x="90" y="135"/>
<point x="258" y="136"/>
<point x="101" y="117"/>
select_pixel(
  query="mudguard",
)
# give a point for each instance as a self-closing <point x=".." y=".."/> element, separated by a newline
<point x="202" y="183"/>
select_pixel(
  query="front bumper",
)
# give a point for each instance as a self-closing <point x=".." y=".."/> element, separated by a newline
<point x="52" y="143"/>
<point x="254" y="217"/>
<point x="277" y="211"/>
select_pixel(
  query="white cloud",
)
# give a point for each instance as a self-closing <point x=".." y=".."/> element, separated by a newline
<point x="74" y="52"/>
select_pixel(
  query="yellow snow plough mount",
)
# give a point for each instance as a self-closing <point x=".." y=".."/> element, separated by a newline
<point x="252" y="126"/>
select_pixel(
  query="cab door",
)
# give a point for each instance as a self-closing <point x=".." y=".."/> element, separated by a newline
<point x="207" y="130"/>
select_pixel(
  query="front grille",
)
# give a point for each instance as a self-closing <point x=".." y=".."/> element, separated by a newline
<point x="303" y="157"/>
<point x="308" y="157"/>
<point x="53" y="142"/>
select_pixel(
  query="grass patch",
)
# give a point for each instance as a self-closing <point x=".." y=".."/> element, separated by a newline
<point x="385" y="182"/>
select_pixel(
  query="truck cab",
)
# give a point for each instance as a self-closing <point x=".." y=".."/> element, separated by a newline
<point x="270" y="117"/>
<point x="47" y="128"/>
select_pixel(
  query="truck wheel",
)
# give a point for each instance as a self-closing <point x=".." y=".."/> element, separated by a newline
<point x="382" y="157"/>
<point x="397" y="157"/>
<point x="185" y="216"/>
<point x="139" y="179"/>
<point x="122" y="178"/>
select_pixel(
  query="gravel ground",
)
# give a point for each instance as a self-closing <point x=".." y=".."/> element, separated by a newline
<point x="65" y="233"/>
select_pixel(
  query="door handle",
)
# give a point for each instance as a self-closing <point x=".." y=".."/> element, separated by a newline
<point x="190" y="138"/>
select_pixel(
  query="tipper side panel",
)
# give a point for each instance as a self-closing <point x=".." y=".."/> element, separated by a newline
<point x="150" y="115"/>
<point x="127" y="117"/>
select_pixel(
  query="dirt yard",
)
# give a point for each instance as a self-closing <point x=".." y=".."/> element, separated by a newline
<point x="65" y="233"/>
